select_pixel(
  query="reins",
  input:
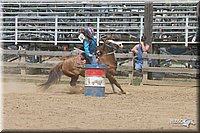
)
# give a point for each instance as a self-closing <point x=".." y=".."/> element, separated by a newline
<point x="110" y="53"/>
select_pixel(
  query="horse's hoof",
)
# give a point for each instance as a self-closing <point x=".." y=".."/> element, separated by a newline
<point x="119" y="93"/>
<point x="127" y="93"/>
<point x="114" y="92"/>
<point x="124" y="93"/>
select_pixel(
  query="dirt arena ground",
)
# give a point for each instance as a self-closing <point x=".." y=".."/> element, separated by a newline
<point x="145" y="108"/>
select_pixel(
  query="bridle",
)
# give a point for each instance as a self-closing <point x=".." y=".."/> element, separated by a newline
<point x="110" y="53"/>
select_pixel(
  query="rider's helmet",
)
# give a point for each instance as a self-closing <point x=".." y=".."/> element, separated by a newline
<point x="89" y="31"/>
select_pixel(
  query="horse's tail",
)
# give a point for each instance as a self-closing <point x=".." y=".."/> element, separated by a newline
<point x="54" y="75"/>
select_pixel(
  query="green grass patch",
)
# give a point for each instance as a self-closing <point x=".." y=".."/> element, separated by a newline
<point x="136" y="81"/>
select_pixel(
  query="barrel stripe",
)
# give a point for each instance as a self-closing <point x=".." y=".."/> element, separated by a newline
<point x="94" y="72"/>
<point x="94" y="81"/>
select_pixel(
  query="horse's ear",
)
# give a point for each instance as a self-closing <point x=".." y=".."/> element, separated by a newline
<point x="82" y="30"/>
<point x="103" y="39"/>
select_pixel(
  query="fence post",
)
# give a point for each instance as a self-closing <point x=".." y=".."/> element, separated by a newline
<point x="132" y="66"/>
<point x="198" y="30"/>
<point x="23" y="61"/>
<point x="186" y="32"/>
<point x="145" y="65"/>
<point x="56" y="30"/>
<point x="186" y="36"/>
<point x="98" y="20"/>
<point x="141" y="27"/>
<point x="148" y="26"/>
<point x="16" y="29"/>
<point x="148" y="22"/>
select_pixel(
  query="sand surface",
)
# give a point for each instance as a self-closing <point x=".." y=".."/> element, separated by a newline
<point x="145" y="108"/>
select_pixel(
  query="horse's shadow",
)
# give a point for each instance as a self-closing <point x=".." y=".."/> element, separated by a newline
<point x="72" y="91"/>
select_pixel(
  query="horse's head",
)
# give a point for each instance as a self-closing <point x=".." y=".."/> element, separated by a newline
<point x="109" y="39"/>
<point x="107" y="48"/>
<point x="118" y="44"/>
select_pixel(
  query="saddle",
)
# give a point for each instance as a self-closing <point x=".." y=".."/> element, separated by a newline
<point x="82" y="60"/>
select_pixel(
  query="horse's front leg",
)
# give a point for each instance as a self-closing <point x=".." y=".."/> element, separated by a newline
<point x="113" y="81"/>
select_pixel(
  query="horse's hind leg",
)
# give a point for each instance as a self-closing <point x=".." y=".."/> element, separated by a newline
<point x="114" y="81"/>
<point x="73" y="81"/>
<point x="113" y="87"/>
<point x="73" y="88"/>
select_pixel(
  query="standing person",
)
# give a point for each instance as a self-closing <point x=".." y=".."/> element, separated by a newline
<point x="139" y="49"/>
<point x="90" y="44"/>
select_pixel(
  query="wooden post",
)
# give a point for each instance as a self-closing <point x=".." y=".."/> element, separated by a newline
<point x="198" y="9"/>
<point x="148" y="24"/>
<point x="145" y="65"/>
<point x="198" y="32"/>
<point x="132" y="70"/>
<point x="198" y="16"/>
<point x="23" y="60"/>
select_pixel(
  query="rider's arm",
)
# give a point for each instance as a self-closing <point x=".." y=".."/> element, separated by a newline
<point x="86" y="47"/>
<point x="135" y="49"/>
<point x="145" y="48"/>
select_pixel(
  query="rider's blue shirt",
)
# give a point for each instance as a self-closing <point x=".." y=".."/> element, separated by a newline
<point x="90" y="45"/>
<point x="90" y="49"/>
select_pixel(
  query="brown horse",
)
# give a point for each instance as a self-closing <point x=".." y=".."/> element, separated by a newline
<point x="70" y="68"/>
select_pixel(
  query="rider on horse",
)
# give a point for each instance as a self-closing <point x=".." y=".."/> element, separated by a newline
<point x="90" y="45"/>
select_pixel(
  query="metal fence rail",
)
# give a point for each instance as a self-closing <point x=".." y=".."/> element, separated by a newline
<point x="58" y="23"/>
